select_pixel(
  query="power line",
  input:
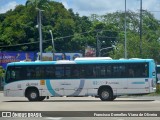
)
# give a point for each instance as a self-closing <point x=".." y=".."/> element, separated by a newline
<point x="35" y="42"/>
<point x="19" y="44"/>
<point x="51" y="39"/>
<point x="154" y="11"/>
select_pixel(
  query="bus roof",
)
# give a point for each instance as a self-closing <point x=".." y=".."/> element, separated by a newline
<point x="114" y="61"/>
<point x="80" y="62"/>
<point x="94" y="58"/>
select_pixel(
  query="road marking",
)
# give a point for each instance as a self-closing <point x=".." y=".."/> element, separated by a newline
<point x="53" y="118"/>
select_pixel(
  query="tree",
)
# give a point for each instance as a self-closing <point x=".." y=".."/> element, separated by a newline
<point x="72" y="32"/>
<point x="41" y="4"/>
<point x="150" y="35"/>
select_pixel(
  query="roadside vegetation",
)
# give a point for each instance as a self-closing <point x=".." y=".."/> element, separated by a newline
<point x="1" y="77"/>
<point x="158" y="89"/>
<point x="72" y="32"/>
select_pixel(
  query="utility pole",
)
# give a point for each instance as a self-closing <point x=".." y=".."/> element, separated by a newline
<point x="40" y="33"/>
<point x="140" y="28"/>
<point x="125" y="43"/>
<point x="97" y="45"/>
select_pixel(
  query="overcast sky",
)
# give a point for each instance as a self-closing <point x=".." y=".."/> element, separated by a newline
<point x="87" y="7"/>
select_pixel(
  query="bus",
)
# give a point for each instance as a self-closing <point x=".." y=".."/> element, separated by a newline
<point x="102" y="78"/>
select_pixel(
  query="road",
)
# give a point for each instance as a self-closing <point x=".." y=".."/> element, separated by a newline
<point x="82" y="105"/>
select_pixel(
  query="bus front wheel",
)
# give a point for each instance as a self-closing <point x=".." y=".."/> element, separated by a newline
<point x="106" y="94"/>
<point x="33" y="95"/>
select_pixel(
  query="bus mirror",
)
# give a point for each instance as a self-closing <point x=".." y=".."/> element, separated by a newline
<point x="153" y="73"/>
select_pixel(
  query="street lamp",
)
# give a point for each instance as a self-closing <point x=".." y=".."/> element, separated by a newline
<point x="104" y="49"/>
<point x="99" y="44"/>
<point x="52" y="42"/>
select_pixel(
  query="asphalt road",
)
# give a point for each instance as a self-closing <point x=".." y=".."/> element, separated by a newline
<point x="78" y="108"/>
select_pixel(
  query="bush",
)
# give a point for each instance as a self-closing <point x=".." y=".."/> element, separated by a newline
<point x="1" y="77"/>
<point x="158" y="88"/>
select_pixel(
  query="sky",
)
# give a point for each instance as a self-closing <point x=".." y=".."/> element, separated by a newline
<point x="100" y="7"/>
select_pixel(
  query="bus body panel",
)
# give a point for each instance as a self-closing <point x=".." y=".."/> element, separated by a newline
<point x="77" y="87"/>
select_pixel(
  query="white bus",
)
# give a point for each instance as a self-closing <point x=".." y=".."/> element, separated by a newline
<point x="105" y="79"/>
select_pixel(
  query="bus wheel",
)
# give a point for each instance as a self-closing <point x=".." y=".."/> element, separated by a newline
<point x="41" y="98"/>
<point x="106" y="94"/>
<point x="33" y="95"/>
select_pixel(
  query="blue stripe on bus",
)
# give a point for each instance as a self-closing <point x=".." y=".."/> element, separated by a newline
<point x="49" y="87"/>
<point x="53" y="93"/>
<point x="138" y="82"/>
<point x="80" y="88"/>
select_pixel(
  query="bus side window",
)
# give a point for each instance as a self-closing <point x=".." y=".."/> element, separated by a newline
<point x="82" y="71"/>
<point x="131" y="72"/>
<point x="31" y="72"/>
<point x="59" y="72"/>
<point x="108" y="71"/>
<point x="116" y="71"/>
<point x="42" y="72"/>
<point x="103" y="71"/>
<point x="96" y="71"/>
<point x="89" y="71"/>
<point x="50" y="72"/>
<point x="37" y="69"/>
<point x="75" y="72"/>
<point x="67" y="72"/>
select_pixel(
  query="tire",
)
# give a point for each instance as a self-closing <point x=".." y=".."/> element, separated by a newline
<point x="106" y="94"/>
<point x="33" y="95"/>
<point x="41" y="98"/>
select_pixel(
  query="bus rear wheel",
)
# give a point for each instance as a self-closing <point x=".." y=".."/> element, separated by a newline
<point x="33" y="95"/>
<point x="106" y="94"/>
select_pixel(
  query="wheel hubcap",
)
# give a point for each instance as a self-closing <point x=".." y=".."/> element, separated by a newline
<point x="33" y="95"/>
<point x="105" y="94"/>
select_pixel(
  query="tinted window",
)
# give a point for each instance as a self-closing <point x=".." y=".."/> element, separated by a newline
<point x="117" y="70"/>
